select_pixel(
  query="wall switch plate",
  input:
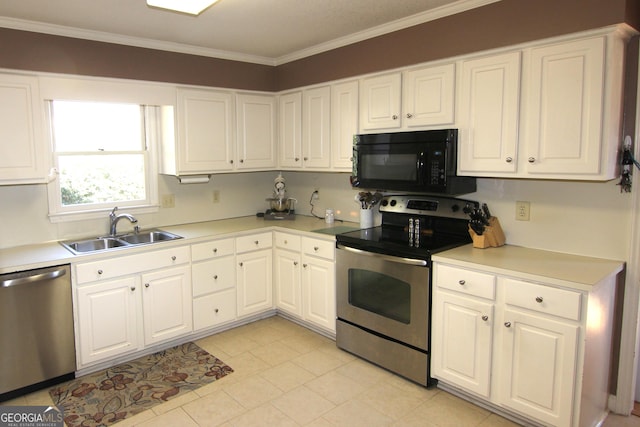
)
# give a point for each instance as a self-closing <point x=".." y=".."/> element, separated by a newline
<point x="168" y="201"/>
<point x="215" y="198"/>
<point x="522" y="211"/>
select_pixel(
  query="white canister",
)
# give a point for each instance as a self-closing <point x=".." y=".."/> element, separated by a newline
<point x="329" y="216"/>
<point x="366" y="218"/>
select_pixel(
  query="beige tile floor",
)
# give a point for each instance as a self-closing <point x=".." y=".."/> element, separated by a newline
<point x="286" y="375"/>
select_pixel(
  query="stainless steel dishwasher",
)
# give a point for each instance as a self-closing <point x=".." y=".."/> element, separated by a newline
<point x="36" y="330"/>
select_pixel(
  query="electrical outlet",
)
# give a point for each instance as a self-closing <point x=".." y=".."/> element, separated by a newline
<point x="522" y="211"/>
<point x="215" y="196"/>
<point x="168" y="201"/>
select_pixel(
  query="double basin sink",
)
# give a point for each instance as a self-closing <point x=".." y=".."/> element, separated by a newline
<point x="114" y="242"/>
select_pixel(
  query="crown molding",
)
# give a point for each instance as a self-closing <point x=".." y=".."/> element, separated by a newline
<point x="399" y="24"/>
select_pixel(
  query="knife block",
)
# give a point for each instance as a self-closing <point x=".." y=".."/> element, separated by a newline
<point x="492" y="237"/>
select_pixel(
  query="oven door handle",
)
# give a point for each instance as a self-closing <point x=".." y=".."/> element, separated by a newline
<point x="401" y="260"/>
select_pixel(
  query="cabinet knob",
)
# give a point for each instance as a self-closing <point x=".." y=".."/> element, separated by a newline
<point x="509" y="159"/>
<point x="539" y="300"/>
<point x="146" y="285"/>
<point x="409" y="115"/>
<point x="240" y="264"/>
<point x="173" y="258"/>
<point x="215" y="277"/>
<point x="394" y="117"/>
<point x="315" y="248"/>
<point x="241" y="160"/>
<point x="295" y="262"/>
<point x="133" y="288"/>
<point x="532" y="159"/>
<point x="305" y="158"/>
<point x="99" y="271"/>
<point x="297" y="159"/>
<point x="461" y="282"/>
<point x="215" y="250"/>
<point x="231" y="161"/>
<point x="507" y="324"/>
<point x="304" y="265"/>
<point x="257" y="242"/>
<point x="485" y="317"/>
<point x="216" y="310"/>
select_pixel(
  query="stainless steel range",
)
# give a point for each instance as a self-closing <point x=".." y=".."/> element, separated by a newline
<point x="383" y="281"/>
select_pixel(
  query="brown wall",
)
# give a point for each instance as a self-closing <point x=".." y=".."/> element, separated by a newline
<point x="499" y="24"/>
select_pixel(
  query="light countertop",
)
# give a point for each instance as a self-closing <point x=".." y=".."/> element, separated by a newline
<point x="573" y="271"/>
<point x="52" y="253"/>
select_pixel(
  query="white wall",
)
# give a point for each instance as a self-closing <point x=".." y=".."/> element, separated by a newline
<point x="583" y="218"/>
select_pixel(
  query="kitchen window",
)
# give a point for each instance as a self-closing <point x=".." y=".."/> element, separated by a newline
<point x="103" y="154"/>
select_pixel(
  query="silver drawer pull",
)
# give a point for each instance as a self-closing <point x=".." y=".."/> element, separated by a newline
<point x="215" y="250"/>
<point x="539" y="300"/>
<point x="100" y="271"/>
<point x="315" y="248"/>
<point x="257" y="242"/>
<point x="133" y="288"/>
<point x="295" y="262"/>
<point x="509" y="159"/>
<point x="240" y="264"/>
<point x="485" y="317"/>
<point x="173" y="258"/>
<point x="216" y="310"/>
<point x="146" y="285"/>
<point x="462" y="282"/>
<point x="507" y="324"/>
<point x="215" y="277"/>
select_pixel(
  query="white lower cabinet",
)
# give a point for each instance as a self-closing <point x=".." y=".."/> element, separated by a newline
<point x="126" y="303"/>
<point x="305" y="279"/>
<point x="523" y="346"/>
<point x="214" y="283"/>
<point x="254" y="258"/>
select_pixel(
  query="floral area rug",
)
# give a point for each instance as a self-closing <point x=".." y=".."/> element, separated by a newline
<point x="109" y="396"/>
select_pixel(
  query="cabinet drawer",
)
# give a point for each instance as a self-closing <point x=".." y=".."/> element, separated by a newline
<point x="213" y="275"/>
<point x="466" y="281"/>
<point x="288" y="241"/>
<point x="254" y="242"/>
<point x="322" y="248"/>
<point x="543" y="299"/>
<point x="215" y="249"/>
<point x="214" y="309"/>
<point x="132" y="264"/>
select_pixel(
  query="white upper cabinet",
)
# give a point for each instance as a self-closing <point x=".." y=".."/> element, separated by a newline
<point x="290" y="120"/>
<point x="380" y="102"/>
<point x="316" y="128"/>
<point x="416" y="98"/>
<point x="24" y="154"/>
<point x="256" y="132"/>
<point x="563" y="114"/>
<point x="488" y="106"/>
<point x="205" y="125"/>
<point x="427" y="96"/>
<point x="344" y="123"/>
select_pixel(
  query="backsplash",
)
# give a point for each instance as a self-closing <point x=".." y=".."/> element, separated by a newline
<point x="585" y="218"/>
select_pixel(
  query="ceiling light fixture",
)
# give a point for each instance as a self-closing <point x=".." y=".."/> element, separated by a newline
<point x="192" y="7"/>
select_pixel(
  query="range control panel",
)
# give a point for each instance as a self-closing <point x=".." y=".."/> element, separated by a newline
<point x="449" y="207"/>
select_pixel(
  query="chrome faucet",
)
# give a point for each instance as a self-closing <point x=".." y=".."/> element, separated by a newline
<point x="113" y="220"/>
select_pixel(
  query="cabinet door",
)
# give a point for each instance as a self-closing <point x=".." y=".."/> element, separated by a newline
<point x="319" y="292"/>
<point x="290" y="136"/>
<point x="255" y="293"/>
<point x="107" y="319"/>
<point x="488" y="115"/>
<point x="462" y="342"/>
<point x="316" y="128"/>
<point x="563" y="108"/>
<point x="287" y="282"/>
<point x="428" y="94"/>
<point x="205" y="131"/>
<point x="539" y="367"/>
<point x="23" y="150"/>
<point x="344" y="124"/>
<point x="167" y="304"/>
<point x="256" y="132"/>
<point x="380" y="102"/>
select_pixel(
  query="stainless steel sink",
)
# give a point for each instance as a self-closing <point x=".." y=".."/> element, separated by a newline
<point x="145" y="237"/>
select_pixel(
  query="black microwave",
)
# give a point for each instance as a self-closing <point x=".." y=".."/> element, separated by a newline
<point x="421" y="161"/>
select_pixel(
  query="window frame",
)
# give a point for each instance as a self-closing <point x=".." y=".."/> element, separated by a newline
<point x="151" y="117"/>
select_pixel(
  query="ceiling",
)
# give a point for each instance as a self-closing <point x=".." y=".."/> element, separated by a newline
<point x="261" y="31"/>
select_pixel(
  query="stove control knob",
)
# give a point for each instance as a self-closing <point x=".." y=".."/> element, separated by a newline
<point x="393" y="203"/>
<point x="385" y="202"/>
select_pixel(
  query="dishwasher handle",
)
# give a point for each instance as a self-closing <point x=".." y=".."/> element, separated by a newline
<point x="37" y="277"/>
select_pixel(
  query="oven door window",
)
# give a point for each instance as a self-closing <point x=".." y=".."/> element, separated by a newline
<point x="380" y="294"/>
